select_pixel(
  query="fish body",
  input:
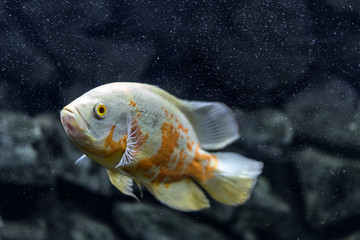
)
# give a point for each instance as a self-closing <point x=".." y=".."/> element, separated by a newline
<point x="141" y="133"/>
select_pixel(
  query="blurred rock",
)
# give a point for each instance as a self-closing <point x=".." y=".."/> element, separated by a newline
<point x="149" y="222"/>
<point x="20" y="162"/>
<point x="62" y="45"/>
<point x="331" y="187"/>
<point x="269" y="47"/>
<point x="34" y="229"/>
<point x="266" y="132"/>
<point x="341" y="5"/>
<point x="74" y="32"/>
<point x="328" y="114"/>
<point x="273" y="203"/>
<point x="354" y="236"/>
<point x="35" y="151"/>
<point x="263" y="212"/>
<point x="184" y="20"/>
<point x="116" y="62"/>
<point x="63" y="224"/>
<point x="219" y="212"/>
<point x="18" y="53"/>
<point x="259" y="48"/>
<point x="83" y="228"/>
<point x="1" y="226"/>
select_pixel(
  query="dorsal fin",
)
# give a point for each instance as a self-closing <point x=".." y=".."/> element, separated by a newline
<point x="214" y="123"/>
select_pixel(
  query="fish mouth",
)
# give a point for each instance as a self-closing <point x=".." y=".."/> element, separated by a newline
<point x="72" y="121"/>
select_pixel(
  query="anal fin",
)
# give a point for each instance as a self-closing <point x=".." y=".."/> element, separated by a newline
<point x="122" y="182"/>
<point x="184" y="195"/>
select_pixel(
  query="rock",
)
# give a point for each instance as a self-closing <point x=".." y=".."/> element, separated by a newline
<point x="6" y="91"/>
<point x="349" y="54"/>
<point x="330" y="188"/>
<point x="144" y="221"/>
<point x="20" y="163"/>
<point x="327" y="114"/>
<point x="34" y="229"/>
<point x="265" y="132"/>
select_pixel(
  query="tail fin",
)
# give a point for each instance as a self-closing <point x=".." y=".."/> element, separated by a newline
<point x="234" y="179"/>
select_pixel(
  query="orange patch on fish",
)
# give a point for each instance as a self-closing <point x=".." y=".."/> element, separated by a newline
<point x="111" y="146"/>
<point x="189" y="146"/>
<point x="208" y="171"/>
<point x="185" y="130"/>
<point x="132" y="103"/>
<point x="196" y="168"/>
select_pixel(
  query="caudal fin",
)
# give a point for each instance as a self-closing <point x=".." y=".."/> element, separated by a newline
<point x="234" y="179"/>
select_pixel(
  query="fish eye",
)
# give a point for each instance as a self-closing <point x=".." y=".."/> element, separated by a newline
<point x="100" y="110"/>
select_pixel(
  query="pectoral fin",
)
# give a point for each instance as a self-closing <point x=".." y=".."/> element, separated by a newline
<point x="184" y="195"/>
<point x="122" y="182"/>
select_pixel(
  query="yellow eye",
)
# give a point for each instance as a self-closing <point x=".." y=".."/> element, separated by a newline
<point x="100" y="110"/>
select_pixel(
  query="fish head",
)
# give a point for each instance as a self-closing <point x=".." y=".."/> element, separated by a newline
<point x="96" y="123"/>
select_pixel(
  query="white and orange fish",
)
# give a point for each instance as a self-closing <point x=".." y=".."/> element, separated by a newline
<point x="140" y="132"/>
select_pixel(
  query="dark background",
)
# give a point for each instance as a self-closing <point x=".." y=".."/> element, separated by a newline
<point x="289" y="69"/>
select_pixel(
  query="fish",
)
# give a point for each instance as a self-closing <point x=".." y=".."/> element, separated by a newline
<point x="141" y="133"/>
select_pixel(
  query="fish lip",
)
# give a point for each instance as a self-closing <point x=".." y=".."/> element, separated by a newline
<point x="75" y="113"/>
